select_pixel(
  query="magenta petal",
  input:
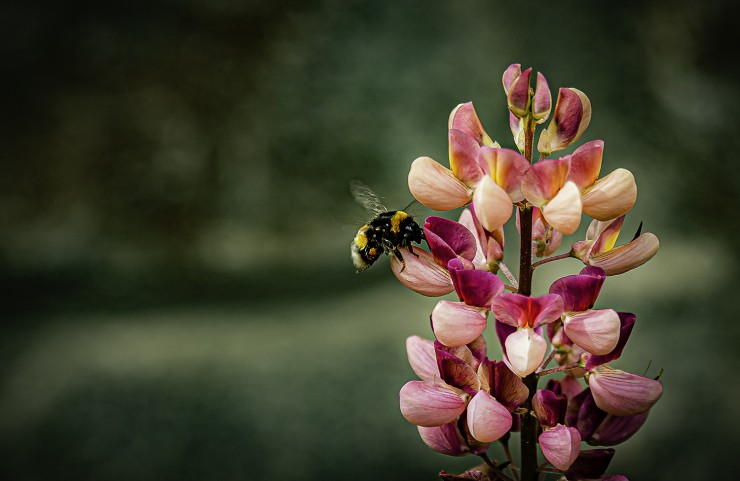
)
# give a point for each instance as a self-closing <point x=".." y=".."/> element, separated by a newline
<point x="549" y="407"/>
<point x="456" y="323"/>
<point x="451" y="239"/>
<point x="590" y="464"/>
<point x="456" y="372"/>
<point x="520" y="311"/>
<point x="627" y="322"/>
<point x="589" y="416"/>
<point x="561" y="446"/>
<point x="579" y="292"/>
<point x="475" y="287"/>
<point x="622" y="393"/>
<point x="488" y="420"/>
<point x="422" y="358"/>
<point x="569" y="120"/>
<point x="505" y="386"/>
<point x="615" y="430"/>
<point x="431" y="404"/>
<point x="444" y="439"/>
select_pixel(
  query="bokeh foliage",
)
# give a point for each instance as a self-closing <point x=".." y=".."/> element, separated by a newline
<point x="175" y="220"/>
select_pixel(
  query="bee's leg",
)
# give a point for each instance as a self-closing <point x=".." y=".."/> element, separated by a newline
<point x="412" y="251"/>
<point x="398" y="255"/>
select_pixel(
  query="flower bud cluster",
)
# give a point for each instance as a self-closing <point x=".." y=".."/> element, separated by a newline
<point x="463" y="400"/>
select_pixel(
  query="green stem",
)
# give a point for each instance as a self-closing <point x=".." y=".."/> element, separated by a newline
<point x="553" y="258"/>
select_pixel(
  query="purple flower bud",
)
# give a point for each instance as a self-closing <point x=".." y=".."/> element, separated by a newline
<point x="518" y="96"/>
<point x="448" y="240"/>
<point x="549" y="407"/>
<point x="570" y="119"/>
<point x="590" y="464"/>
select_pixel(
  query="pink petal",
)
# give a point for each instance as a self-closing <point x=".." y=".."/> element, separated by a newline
<point x="627" y="323"/>
<point x="585" y="163"/>
<point x="542" y="100"/>
<point x="611" y="196"/>
<point x="511" y="73"/>
<point x="622" y="393"/>
<point x="465" y="119"/>
<point x="488" y="420"/>
<point x="506" y="168"/>
<point x="444" y="439"/>
<point x="597" y="331"/>
<point x="544" y="180"/>
<point x="422" y="358"/>
<point x="457" y="324"/>
<point x="518" y="94"/>
<point x="627" y="257"/>
<point x="525" y="351"/>
<point x="570" y="119"/>
<point x="561" y="446"/>
<point x="493" y="206"/>
<point x="422" y="274"/>
<point x="435" y="186"/>
<point x="464" y="157"/>
<point x="429" y="404"/>
<point x="520" y="311"/>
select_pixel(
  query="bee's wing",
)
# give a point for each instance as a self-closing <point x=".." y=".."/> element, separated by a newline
<point x="366" y="197"/>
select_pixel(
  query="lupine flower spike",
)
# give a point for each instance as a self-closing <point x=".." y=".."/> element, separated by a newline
<point x="463" y="401"/>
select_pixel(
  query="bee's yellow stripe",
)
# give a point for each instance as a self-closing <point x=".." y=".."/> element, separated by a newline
<point x="361" y="237"/>
<point x="396" y="221"/>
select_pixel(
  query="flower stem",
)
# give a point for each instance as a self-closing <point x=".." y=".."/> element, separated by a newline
<point x="558" y="369"/>
<point x="508" y="275"/>
<point x="553" y="258"/>
<point x="510" y="458"/>
<point x="494" y="469"/>
<point x="528" y="420"/>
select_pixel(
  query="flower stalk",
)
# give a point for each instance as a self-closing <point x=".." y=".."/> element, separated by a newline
<point x="463" y="400"/>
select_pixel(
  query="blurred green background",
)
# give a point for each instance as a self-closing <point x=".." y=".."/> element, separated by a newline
<point x="178" y="300"/>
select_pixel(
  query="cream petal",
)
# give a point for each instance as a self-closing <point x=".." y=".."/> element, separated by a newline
<point x="611" y="196"/>
<point x="422" y="274"/>
<point x="525" y="351"/>
<point x="628" y="256"/>
<point x="434" y="186"/>
<point x="457" y="324"/>
<point x="597" y="331"/>
<point x="488" y="420"/>
<point x="493" y="206"/>
<point x="563" y="212"/>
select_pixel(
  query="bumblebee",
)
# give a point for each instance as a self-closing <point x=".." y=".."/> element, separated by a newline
<point x="387" y="232"/>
